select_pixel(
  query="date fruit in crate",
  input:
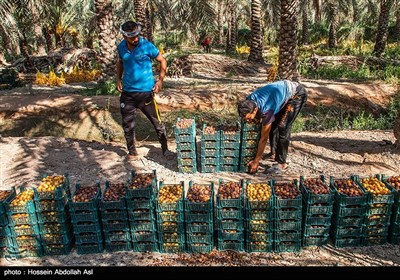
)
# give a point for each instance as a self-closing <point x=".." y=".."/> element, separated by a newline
<point x="141" y="181"/>
<point x="199" y="193"/>
<point x="170" y="193"/>
<point x="229" y="129"/>
<point x="374" y="186"/>
<point x="259" y="191"/>
<point x="210" y="130"/>
<point x="316" y="186"/>
<point x="347" y="187"/>
<point x="184" y="123"/>
<point x="394" y="181"/>
<point x="22" y="198"/>
<point x="4" y="194"/>
<point x="286" y="190"/>
<point x="50" y="183"/>
<point x="114" y="192"/>
<point x="85" y="193"/>
<point x="229" y="190"/>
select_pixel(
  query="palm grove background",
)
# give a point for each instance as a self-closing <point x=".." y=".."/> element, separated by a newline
<point x="288" y="34"/>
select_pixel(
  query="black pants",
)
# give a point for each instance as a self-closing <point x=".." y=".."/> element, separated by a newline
<point x="144" y="101"/>
<point x="279" y="136"/>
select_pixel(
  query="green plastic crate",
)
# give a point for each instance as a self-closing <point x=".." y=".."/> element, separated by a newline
<point x="229" y="213"/>
<point x="210" y="137"/>
<point x="350" y="210"/>
<point x="231" y="235"/>
<point x="89" y="237"/>
<point x="191" y="130"/>
<point x="316" y="230"/>
<point x="341" y="232"/>
<point x="140" y="203"/>
<point x="259" y="236"/>
<point x="25" y="229"/>
<point x="199" y="248"/>
<point x="259" y="225"/>
<point x="287" y="225"/>
<point x="6" y="201"/>
<point x="141" y="236"/>
<point x="233" y="153"/>
<point x="177" y="206"/>
<point x="142" y="225"/>
<point x="372" y="199"/>
<point x="203" y="237"/>
<point x="229" y="167"/>
<point x="209" y="152"/>
<point x="57" y="238"/>
<point x="343" y="221"/>
<point x="187" y="168"/>
<point x="287" y="246"/>
<point x="287" y="235"/>
<point x="116" y="246"/>
<point x="28" y="240"/>
<point x="112" y="214"/>
<point x="145" y="191"/>
<point x="171" y="237"/>
<point x="233" y="245"/>
<point x="285" y="213"/>
<point x="57" y="249"/>
<point x="61" y="191"/>
<point x="89" y="248"/>
<point x="345" y="200"/>
<point x="16" y="219"/>
<point x="116" y="225"/>
<point x="231" y="203"/>
<point x="310" y="198"/>
<point x="54" y="228"/>
<point x="317" y="219"/>
<point x="92" y="205"/>
<point x="53" y="217"/>
<point x="281" y="202"/>
<point x="116" y="235"/>
<point x="259" y="246"/>
<point x="171" y="247"/>
<point x="145" y="246"/>
<point x="372" y="240"/>
<point x="207" y="168"/>
<point x="170" y="227"/>
<point x="315" y="240"/>
<point x="209" y="161"/>
<point x="25" y="252"/>
<point x="257" y="214"/>
<point x="230" y="224"/>
<point x="199" y="217"/>
<point x="85" y="216"/>
<point x="312" y="209"/>
<point x="199" y="227"/>
<point x="86" y="226"/>
<point x="250" y="126"/>
<point x="111" y="205"/>
<point x="52" y="204"/>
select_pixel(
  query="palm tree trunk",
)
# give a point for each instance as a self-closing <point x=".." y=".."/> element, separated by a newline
<point x="287" y="68"/>
<point x="256" y="45"/>
<point x="304" y="13"/>
<point x="220" y="19"/>
<point x="334" y="19"/>
<point x="356" y="11"/>
<point x="40" y="41"/>
<point x="105" y="23"/>
<point x="381" y="37"/>
<point x="317" y="10"/>
<point x="149" y="22"/>
<point x="231" y="36"/>
<point x="140" y="15"/>
<point x="48" y="38"/>
<point x="397" y="27"/>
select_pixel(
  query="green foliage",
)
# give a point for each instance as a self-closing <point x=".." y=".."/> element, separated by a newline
<point x="103" y="88"/>
<point x="299" y="124"/>
<point x="337" y="72"/>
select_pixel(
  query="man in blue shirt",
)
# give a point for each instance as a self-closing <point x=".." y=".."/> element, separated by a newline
<point x="277" y="104"/>
<point x="136" y="83"/>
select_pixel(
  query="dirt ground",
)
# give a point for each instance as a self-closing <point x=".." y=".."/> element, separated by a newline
<point x="339" y="154"/>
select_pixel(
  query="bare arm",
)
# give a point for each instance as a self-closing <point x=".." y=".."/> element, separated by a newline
<point x="163" y="70"/>
<point x="120" y="70"/>
<point x="253" y="165"/>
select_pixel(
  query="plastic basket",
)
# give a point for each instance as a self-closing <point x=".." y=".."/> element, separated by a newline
<point x="187" y="168"/>
<point x="52" y="205"/>
<point x="116" y="235"/>
<point x="144" y="185"/>
<point x="209" y="152"/>
<point x="315" y="240"/>
<point x="199" y="248"/>
<point x="141" y="215"/>
<point x="224" y="245"/>
<point x="287" y="246"/>
<point x="343" y="221"/>
<point x="54" y="228"/>
<point x="115" y="225"/>
<point x="231" y="235"/>
<point x="259" y="225"/>
<point x="345" y="200"/>
<point x="112" y="205"/>
<point x="89" y="237"/>
<point x="145" y="246"/>
<point x="139" y="236"/>
<point x="372" y="199"/>
<point x="140" y="203"/>
<point x="58" y="193"/>
<point x="229" y="213"/>
<point x="107" y="215"/>
<point x="171" y="247"/>
<point x="199" y="227"/>
<point x="57" y="249"/>
<point x="230" y="224"/>
<point x="56" y="238"/>
<point x="259" y="236"/>
<point x="316" y="230"/>
<point x="186" y="154"/>
<point x="86" y="226"/>
<point x="288" y="213"/>
<point x="312" y="209"/>
<point x="287" y="235"/>
<point x="142" y="225"/>
<point x="84" y="216"/>
<point x="311" y="198"/>
<point x="92" y="205"/>
<point x="89" y="248"/>
<point x="22" y="218"/>
<point x="282" y="202"/>
<point x="199" y="237"/>
<point x="259" y="246"/>
<point x="191" y="130"/>
<point x="209" y="168"/>
<point x="287" y="225"/>
<point x="53" y="216"/>
<point x="230" y="203"/>
<point x="116" y="246"/>
<point x="176" y="206"/>
<point x="9" y="195"/>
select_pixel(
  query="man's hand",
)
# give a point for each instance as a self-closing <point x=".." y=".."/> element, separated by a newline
<point x="253" y="166"/>
<point x="119" y="86"/>
<point x="157" y="86"/>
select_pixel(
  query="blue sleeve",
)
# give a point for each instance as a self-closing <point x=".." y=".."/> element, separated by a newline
<point x="153" y="51"/>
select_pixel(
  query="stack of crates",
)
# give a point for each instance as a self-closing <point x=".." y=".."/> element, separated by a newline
<point x="288" y="216"/>
<point x="5" y="197"/>
<point x="349" y="209"/>
<point x="318" y="200"/>
<point x="85" y="217"/>
<point x="230" y="148"/>
<point x="171" y="217"/>
<point x="250" y="135"/>
<point x="393" y="182"/>
<point x="141" y="211"/>
<point x="210" y="143"/>
<point x="230" y="212"/>
<point x="259" y="217"/>
<point x="114" y="217"/>
<point x="199" y="217"/>
<point x="52" y="211"/>
<point x="378" y="211"/>
<point x="24" y="231"/>
<point x="185" y="137"/>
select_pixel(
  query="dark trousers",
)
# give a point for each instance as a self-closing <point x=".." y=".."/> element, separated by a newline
<point x="144" y="101"/>
<point x="279" y="136"/>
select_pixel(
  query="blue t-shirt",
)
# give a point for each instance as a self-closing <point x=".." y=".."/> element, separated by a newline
<point x="270" y="99"/>
<point x="138" y="71"/>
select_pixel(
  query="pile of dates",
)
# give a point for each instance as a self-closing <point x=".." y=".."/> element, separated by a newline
<point x="85" y="193"/>
<point x="114" y="192"/>
<point x="316" y="186"/>
<point x="170" y="193"/>
<point x="347" y="187"/>
<point x="141" y="181"/>
<point x="199" y="193"/>
<point x="229" y="190"/>
<point x="286" y="190"/>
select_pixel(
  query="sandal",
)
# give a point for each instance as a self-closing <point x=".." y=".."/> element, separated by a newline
<point x="277" y="169"/>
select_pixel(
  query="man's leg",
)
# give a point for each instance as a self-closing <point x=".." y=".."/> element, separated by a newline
<point x="128" y="113"/>
<point x="291" y="111"/>
<point x="150" y="110"/>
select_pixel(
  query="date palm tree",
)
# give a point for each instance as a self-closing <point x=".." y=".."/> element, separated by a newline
<point x="232" y="28"/>
<point x="333" y="9"/>
<point x="287" y="68"/>
<point x="140" y="7"/>
<point x="256" y="45"/>
<point x="397" y="26"/>
<point x="107" y="36"/>
<point x="381" y="37"/>
<point x="305" y="21"/>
